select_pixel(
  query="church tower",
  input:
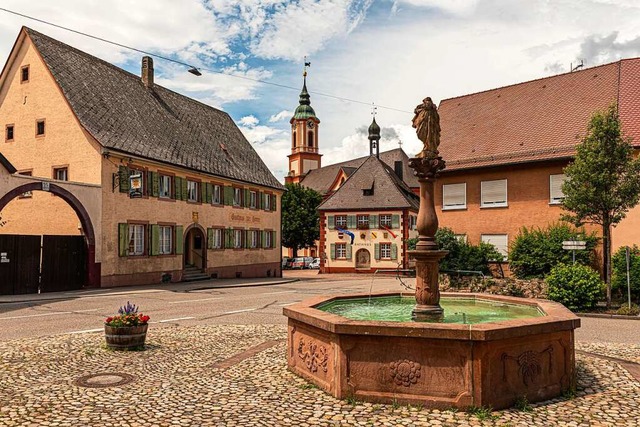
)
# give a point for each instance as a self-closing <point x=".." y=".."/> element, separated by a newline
<point x="304" y="138"/>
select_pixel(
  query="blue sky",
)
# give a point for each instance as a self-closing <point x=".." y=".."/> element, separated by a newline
<point x="391" y="52"/>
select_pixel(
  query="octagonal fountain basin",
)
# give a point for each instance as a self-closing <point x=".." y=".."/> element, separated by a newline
<point x="490" y="350"/>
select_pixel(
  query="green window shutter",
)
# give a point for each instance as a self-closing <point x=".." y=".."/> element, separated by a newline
<point x="260" y="200"/>
<point x="229" y="238"/>
<point x="123" y="239"/>
<point x="155" y="239"/>
<point x="209" y="238"/>
<point x="273" y="202"/>
<point x="123" y="179"/>
<point x="183" y="194"/>
<point x="273" y="239"/>
<point x="149" y="181"/>
<point x="179" y="239"/>
<point x="228" y="195"/>
<point x="395" y="221"/>
<point x="263" y="237"/>
<point x="246" y="197"/>
<point x="333" y="251"/>
<point x="203" y="192"/>
<point x="177" y="186"/>
<point x="349" y="251"/>
<point x="377" y="250"/>
<point x="245" y="238"/>
<point x="209" y="192"/>
<point x="155" y="184"/>
<point x="331" y="222"/>
<point x="351" y="221"/>
<point x="373" y="221"/>
<point x="394" y="251"/>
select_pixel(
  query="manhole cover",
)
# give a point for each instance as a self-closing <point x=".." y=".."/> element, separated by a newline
<point x="104" y="380"/>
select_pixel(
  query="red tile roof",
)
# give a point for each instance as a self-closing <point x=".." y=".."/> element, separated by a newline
<point x="537" y="120"/>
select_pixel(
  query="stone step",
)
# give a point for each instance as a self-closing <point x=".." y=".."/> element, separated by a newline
<point x="195" y="277"/>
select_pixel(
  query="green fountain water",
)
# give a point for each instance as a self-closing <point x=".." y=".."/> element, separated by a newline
<point x="456" y="310"/>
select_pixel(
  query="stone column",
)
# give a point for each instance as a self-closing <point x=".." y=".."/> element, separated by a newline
<point x="427" y="254"/>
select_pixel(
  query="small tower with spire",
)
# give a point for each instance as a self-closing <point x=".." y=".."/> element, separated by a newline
<point x="304" y="155"/>
<point x="374" y="136"/>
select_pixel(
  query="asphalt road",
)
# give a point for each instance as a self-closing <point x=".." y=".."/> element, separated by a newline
<point x="81" y="313"/>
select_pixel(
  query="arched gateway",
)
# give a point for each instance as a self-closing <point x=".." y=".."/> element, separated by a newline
<point x="23" y="247"/>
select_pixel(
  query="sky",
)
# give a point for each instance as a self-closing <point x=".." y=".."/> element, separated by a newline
<point x="391" y="53"/>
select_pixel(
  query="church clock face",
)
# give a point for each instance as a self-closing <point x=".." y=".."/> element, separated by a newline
<point x="310" y="124"/>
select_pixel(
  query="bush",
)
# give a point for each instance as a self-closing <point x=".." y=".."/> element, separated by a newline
<point x="462" y="255"/>
<point x="576" y="286"/>
<point x="619" y="279"/>
<point x="535" y="251"/>
<point x="626" y="311"/>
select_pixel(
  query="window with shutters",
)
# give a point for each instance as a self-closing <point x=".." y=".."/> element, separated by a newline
<point x="237" y="196"/>
<point x="385" y="250"/>
<point x="555" y="188"/>
<point x="267" y="202"/>
<point x="493" y="193"/>
<point x="363" y="222"/>
<point x="237" y="239"/>
<point x="413" y="222"/>
<point x="253" y="239"/>
<point x="166" y="240"/>
<point x="454" y="196"/>
<point x="341" y="221"/>
<point x="500" y="241"/>
<point x="193" y="191"/>
<point x="385" y="220"/>
<point x="136" y="239"/>
<point x="253" y="199"/>
<point x="216" y="238"/>
<point x="164" y="189"/>
<point x="216" y="198"/>
<point x="341" y="250"/>
<point x="268" y="243"/>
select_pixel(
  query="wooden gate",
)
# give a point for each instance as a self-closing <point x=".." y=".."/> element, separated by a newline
<point x="50" y="263"/>
<point x="64" y="261"/>
<point x="19" y="264"/>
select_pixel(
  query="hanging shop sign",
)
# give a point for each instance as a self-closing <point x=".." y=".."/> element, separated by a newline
<point x="135" y="186"/>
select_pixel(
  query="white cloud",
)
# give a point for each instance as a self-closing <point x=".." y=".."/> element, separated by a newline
<point x="249" y="121"/>
<point x="282" y="115"/>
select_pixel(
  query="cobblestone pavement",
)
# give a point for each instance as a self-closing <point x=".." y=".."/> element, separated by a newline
<point x="184" y="378"/>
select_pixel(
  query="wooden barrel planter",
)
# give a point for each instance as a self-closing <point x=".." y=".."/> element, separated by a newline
<point x="125" y="337"/>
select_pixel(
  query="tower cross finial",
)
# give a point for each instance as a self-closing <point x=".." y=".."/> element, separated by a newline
<point x="306" y="64"/>
<point x="374" y="109"/>
<point x="400" y="143"/>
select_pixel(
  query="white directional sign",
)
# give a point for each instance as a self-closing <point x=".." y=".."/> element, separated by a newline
<point x="575" y="245"/>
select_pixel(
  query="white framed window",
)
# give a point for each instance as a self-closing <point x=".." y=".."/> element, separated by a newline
<point x="237" y="196"/>
<point x="192" y="191"/>
<point x="216" y="198"/>
<point x="493" y="194"/>
<point x="61" y="174"/>
<point x="500" y="241"/>
<point x="413" y="222"/>
<point x="166" y="237"/>
<point x="164" y="186"/>
<point x="555" y="188"/>
<point x="237" y="239"/>
<point x="385" y="220"/>
<point x="216" y="239"/>
<point x="385" y="250"/>
<point x="363" y="221"/>
<point x="341" y="221"/>
<point x="267" y="202"/>
<point x="341" y="250"/>
<point x="253" y="199"/>
<point x="454" y="196"/>
<point x="253" y="239"/>
<point x="136" y="239"/>
<point x="267" y="240"/>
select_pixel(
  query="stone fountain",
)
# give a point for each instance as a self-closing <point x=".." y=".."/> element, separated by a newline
<point x="355" y="346"/>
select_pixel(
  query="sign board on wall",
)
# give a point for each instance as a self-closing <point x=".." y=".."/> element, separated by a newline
<point x="237" y="218"/>
<point x="135" y="186"/>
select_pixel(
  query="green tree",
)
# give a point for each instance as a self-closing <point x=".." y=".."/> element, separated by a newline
<point x="603" y="182"/>
<point x="300" y="221"/>
<point x="535" y="251"/>
<point x="619" y="277"/>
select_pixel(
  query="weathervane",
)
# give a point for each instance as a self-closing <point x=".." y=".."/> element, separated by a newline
<point x="306" y="64"/>
<point x="374" y="109"/>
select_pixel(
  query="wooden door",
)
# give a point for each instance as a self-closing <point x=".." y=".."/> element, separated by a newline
<point x="64" y="261"/>
<point x="19" y="264"/>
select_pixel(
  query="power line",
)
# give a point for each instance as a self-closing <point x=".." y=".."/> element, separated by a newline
<point x="326" y="95"/>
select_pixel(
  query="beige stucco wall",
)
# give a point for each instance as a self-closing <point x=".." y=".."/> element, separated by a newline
<point x="119" y="208"/>
<point x="65" y="143"/>
<point x="364" y="239"/>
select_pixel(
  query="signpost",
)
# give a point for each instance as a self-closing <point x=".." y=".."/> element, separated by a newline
<point x="574" y="245"/>
<point x="627" y="252"/>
